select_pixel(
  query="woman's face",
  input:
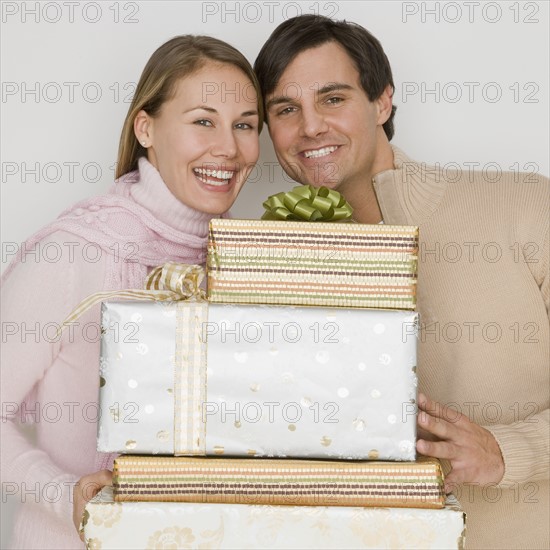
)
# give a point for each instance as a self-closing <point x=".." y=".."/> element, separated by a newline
<point x="204" y="142"/>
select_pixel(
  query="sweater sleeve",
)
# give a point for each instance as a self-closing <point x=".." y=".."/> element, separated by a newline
<point x="525" y="445"/>
<point x="36" y="297"/>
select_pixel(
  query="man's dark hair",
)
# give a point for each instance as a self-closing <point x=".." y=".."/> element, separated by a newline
<point x="309" y="31"/>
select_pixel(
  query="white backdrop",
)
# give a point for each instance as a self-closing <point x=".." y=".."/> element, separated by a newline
<point x="471" y="88"/>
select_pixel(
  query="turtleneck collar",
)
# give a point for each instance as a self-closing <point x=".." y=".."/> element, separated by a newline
<point x="408" y="193"/>
<point x="151" y="192"/>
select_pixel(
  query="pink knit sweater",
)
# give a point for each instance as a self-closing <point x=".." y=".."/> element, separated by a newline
<point x="49" y="387"/>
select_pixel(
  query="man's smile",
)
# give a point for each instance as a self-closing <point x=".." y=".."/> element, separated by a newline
<point x="322" y="152"/>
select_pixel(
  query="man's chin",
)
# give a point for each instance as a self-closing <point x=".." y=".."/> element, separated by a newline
<point x="321" y="183"/>
<point x="330" y="183"/>
<point x="306" y="177"/>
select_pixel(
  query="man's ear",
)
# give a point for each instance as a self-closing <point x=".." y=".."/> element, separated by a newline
<point x="143" y="128"/>
<point x="384" y="104"/>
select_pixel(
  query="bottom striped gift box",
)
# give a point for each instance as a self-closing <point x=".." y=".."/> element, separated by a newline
<point x="134" y="525"/>
<point x="279" y="481"/>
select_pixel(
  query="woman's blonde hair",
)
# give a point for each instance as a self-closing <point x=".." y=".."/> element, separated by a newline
<point x="179" y="57"/>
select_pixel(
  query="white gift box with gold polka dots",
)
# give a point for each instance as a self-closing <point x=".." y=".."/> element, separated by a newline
<point x="190" y="378"/>
<point x="117" y="525"/>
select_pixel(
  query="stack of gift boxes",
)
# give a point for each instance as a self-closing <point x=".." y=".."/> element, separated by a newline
<point x="280" y="412"/>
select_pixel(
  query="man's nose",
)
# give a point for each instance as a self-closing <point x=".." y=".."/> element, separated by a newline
<point x="313" y="122"/>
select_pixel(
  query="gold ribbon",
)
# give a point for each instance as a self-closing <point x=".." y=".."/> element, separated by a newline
<point x="190" y="379"/>
<point x="308" y="203"/>
<point x="169" y="282"/>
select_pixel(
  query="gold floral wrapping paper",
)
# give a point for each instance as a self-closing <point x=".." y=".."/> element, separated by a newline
<point x="196" y="379"/>
<point x="279" y="481"/>
<point x="163" y="525"/>
<point x="312" y="264"/>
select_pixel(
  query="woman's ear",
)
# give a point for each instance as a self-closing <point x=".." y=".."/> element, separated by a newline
<point x="143" y="128"/>
<point x="384" y="104"/>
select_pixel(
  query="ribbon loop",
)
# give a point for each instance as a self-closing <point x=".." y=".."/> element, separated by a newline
<point x="181" y="279"/>
<point x="307" y="203"/>
<point x="169" y="282"/>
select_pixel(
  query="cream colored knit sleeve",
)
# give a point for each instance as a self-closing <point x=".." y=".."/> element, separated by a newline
<point x="525" y="445"/>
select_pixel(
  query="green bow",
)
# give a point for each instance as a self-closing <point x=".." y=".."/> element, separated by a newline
<point x="307" y="203"/>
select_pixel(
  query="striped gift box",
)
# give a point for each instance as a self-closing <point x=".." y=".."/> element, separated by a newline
<point x="312" y="264"/>
<point x="279" y="482"/>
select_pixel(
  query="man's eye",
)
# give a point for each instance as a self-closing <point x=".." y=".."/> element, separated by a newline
<point x="334" y="100"/>
<point x="203" y="122"/>
<point x="286" y="110"/>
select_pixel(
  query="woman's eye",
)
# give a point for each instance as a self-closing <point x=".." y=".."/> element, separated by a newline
<point x="203" y="122"/>
<point x="244" y="126"/>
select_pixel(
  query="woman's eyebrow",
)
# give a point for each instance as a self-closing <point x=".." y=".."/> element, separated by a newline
<point x="203" y="107"/>
<point x="212" y="110"/>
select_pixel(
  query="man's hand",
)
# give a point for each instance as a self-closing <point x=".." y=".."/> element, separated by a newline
<point x="472" y="451"/>
<point x="85" y="489"/>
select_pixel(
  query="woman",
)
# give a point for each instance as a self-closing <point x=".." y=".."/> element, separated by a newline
<point x="187" y="146"/>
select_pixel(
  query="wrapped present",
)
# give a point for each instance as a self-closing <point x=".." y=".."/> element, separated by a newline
<point x="314" y="264"/>
<point x="130" y="525"/>
<point x="191" y="378"/>
<point x="279" y="481"/>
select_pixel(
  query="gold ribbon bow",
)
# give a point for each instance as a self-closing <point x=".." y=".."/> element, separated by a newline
<point x="169" y="282"/>
<point x="308" y="203"/>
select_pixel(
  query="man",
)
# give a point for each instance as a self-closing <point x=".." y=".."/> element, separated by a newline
<point x="483" y="287"/>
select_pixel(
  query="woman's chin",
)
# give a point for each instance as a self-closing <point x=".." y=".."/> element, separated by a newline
<point x="213" y="203"/>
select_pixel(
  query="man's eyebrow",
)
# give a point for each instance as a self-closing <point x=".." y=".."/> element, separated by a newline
<point x="277" y="100"/>
<point x="334" y="87"/>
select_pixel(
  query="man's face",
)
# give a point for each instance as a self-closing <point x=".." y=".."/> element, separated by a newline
<point x="324" y="128"/>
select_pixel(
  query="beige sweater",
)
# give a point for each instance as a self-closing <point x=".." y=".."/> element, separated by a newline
<point x="484" y="297"/>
